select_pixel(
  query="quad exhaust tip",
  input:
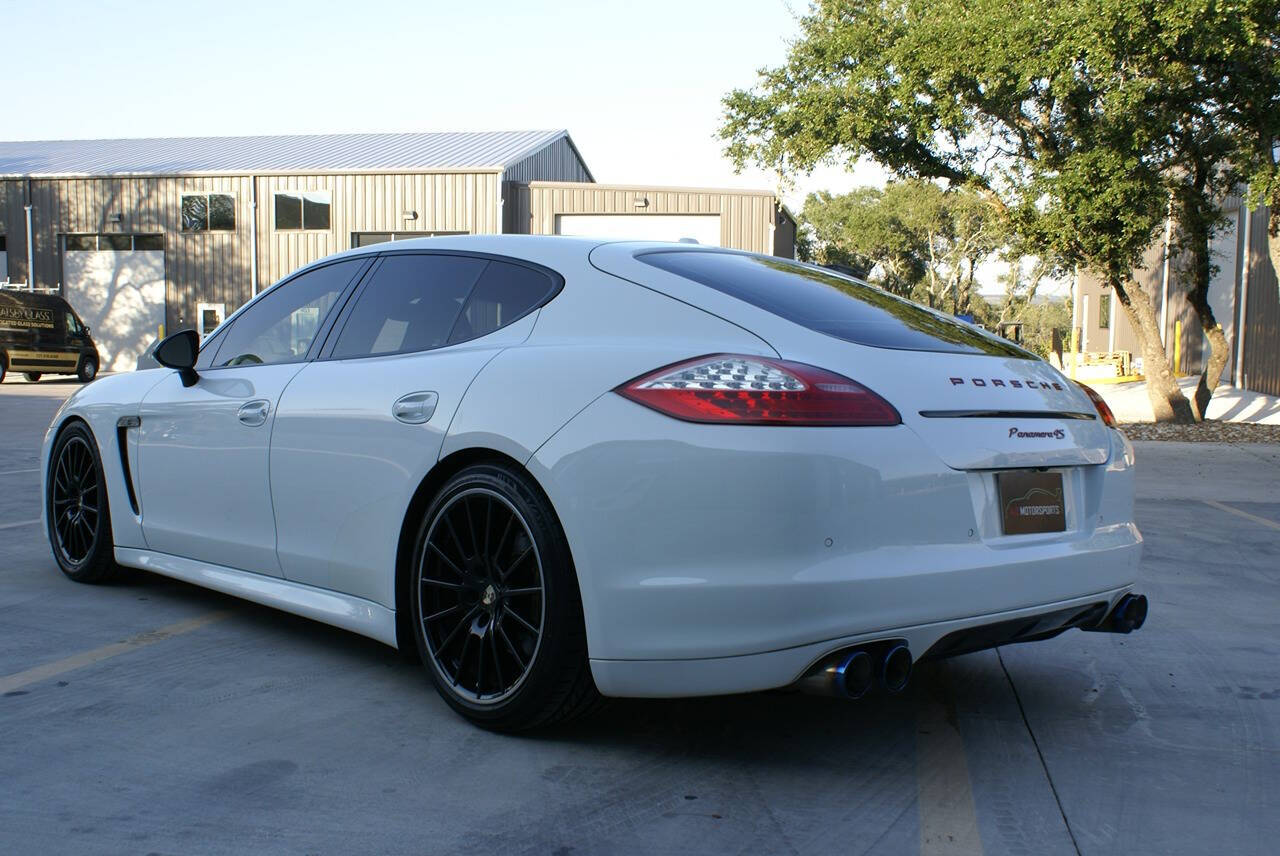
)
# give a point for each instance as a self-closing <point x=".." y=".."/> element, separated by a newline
<point x="1130" y="613"/>
<point x="854" y="672"/>
<point x="895" y="670"/>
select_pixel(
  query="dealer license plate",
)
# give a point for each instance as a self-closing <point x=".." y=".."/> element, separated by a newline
<point x="1031" y="501"/>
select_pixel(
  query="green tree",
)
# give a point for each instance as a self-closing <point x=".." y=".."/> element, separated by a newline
<point x="861" y="231"/>
<point x="915" y="238"/>
<point x="1065" y="116"/>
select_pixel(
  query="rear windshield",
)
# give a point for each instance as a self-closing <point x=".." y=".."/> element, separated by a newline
<point x="829" y="303"/>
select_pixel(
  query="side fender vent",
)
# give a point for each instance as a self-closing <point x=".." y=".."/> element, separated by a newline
<point x="122" y="443"/>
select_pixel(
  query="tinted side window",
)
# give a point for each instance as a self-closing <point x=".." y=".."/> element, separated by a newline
<point x="410" y="304"/>
<point x="279" y="327"/>
<point x="209" y="350"/>
<point x="828" y="303"/>
<point x="504" y="293"/>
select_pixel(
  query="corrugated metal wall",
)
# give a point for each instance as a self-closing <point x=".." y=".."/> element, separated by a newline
<point x="746" y="217"/>
<point x="443" y="202"/>
<point x="215" y="266"/>
<point x="557" y="162"/>
<point x="209" y="263"/>
<point x="13" y="226"/>
<point x="1262" y="325"/>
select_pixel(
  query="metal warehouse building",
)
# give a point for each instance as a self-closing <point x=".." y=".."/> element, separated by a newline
<point x="151" y="233"/>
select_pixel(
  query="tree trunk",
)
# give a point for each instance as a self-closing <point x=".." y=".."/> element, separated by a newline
<point x="1168" y="404"/>
<point x="1198" y="296"/>
<point x="1273" y="239"/>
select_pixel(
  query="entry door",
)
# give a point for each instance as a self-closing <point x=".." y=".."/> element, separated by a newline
<point x="204" y="450"/>
<point x="360" y="427"/>
<point x="203" y="453"/>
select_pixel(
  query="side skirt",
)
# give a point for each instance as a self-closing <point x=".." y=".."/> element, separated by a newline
<point x="330" y="607"/>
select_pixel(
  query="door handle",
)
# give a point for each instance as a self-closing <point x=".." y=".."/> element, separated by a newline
<point x="415" y="408"/>
<point x="254" y="413"/>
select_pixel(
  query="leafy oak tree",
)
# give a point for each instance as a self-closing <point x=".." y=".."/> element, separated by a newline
<point x="920" y="240"/>
<point x="1074" y="119"/>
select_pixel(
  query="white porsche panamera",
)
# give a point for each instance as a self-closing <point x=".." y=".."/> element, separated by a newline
<point x="561" y="469"/>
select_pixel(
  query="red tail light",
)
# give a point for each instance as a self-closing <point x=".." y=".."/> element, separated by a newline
<point x="748" y="390"/>
<point x="1108" y="418"/>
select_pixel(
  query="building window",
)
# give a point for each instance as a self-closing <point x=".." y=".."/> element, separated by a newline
<point x="302" y="210"/>
<point x="1104" y="312"/>
<point x="113" y="243"/>
<point x="208" y="212"/>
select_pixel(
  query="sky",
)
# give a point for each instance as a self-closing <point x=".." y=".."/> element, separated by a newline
<point x="637" y="84"/>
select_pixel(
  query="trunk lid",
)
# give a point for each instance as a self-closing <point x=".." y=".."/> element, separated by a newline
<point x="978" y="403"/>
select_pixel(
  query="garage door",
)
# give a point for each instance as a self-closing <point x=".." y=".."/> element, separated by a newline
<point x="115" y="283"/>
<point x="703" y="228"/>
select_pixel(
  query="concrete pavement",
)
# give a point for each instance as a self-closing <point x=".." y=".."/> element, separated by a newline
<point x="170" y="719"/>
<point x="1130" y="403"/>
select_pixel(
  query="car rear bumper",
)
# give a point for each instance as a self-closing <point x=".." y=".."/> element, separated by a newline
<point x="774" y="669"/>
<point x="699" y="547"/>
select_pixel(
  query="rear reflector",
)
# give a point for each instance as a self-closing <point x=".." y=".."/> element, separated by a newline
<point x="749" y="390"/>
<point x="1108" y="418"/>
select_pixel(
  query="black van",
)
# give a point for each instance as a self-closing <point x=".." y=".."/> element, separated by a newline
<point x="41" y="334"/>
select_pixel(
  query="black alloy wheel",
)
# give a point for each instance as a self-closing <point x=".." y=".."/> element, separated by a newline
<point x="496" y="607"/>
<point x="79" y="520"/>
<point x="481" y="595"/>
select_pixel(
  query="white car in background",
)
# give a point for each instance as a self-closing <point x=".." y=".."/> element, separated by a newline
<point x="562" y="468"/>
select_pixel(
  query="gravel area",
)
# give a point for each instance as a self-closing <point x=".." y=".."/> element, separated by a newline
<point x="1209" y="431"/>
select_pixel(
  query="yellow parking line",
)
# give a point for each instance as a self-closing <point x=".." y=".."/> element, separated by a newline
<point x="19" y="523"/>
<point x="948" y="818"/>
<point x="77" y="661"/>
<point x="1246" y="515"/>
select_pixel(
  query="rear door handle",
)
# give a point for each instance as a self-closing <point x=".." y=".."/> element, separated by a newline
<point x="415" y="408"/>
<point x="254" y="413"/>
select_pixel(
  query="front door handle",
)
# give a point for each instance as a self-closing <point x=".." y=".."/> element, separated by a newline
<point x="415" y="408"/>
<point x="254" y="413"/>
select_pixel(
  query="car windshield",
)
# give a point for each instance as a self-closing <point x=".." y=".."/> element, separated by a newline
<point x="830" y="303"/>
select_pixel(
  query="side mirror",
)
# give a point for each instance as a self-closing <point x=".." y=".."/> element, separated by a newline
<point x="84" y="330"/>
<point x="179" y="351"/>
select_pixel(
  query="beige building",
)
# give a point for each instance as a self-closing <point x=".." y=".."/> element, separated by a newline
<point x="1243" y="295"/>
<point x="146" y="234"/>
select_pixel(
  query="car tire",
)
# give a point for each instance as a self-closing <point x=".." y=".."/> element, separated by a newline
<point x="32" y="377"/>
<point x="4" y="366"/>
<point x="87" y="370"/>
<point x="77" y="514"/>
<point x="495" y="604"/>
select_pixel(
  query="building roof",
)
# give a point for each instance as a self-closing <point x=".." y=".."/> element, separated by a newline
<point x="421" y="152"/>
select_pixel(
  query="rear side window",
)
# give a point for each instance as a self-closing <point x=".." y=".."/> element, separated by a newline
<point x="418" y="302"/>
<point x="503" y="293"/>
<point x="829" y="303"/>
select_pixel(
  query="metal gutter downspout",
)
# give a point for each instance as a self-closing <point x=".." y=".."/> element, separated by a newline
<point x="31" y="255"/>
<point x="253" y="236"/>
<point x="1243" y="314"/>
<point x="1164" y="275"/>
